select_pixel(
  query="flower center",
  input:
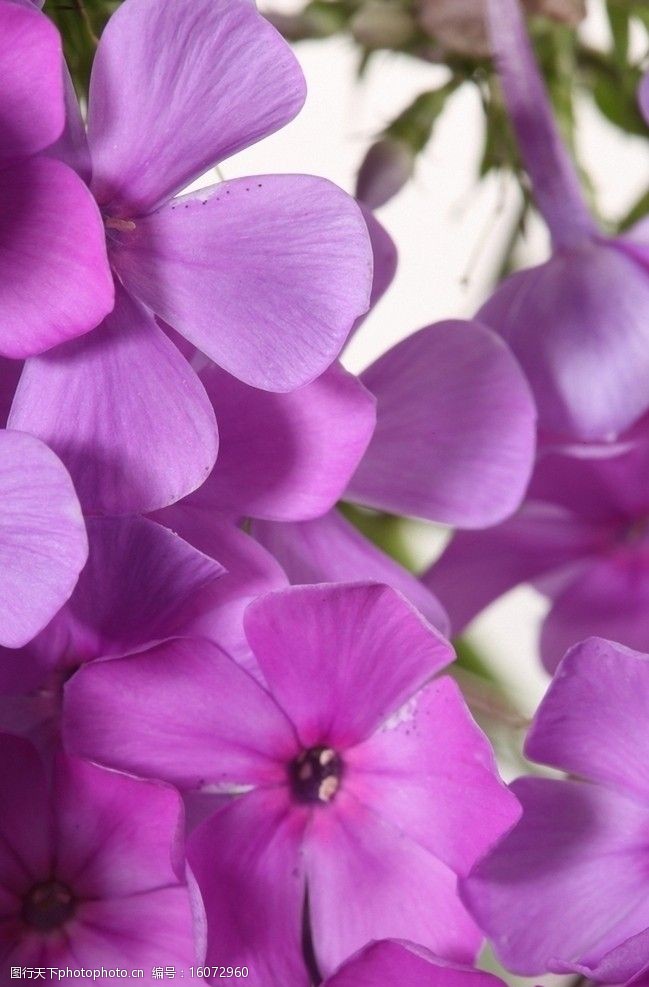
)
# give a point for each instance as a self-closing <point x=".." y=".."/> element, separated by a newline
<point x="315" y="775"/>
<point x="48" y="906"/>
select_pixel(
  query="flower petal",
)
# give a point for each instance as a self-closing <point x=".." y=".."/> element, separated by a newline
<point x="417" y="769"/>
<point x="643" y="96"/>
<point x="10" y="371"/>
<point x="568" y="883"/>
<point x="455" y="433"/>
<point x="182" y="711"/>
<point x="592" y="721"/>
<point x="43" y="544"/>
<point x="391" y="962"/>
<point x="55" y="283"/>
<point x="265" y="275"/>
<point x="124" y="411"/>
<point x="331" y="550"/>
<point x="31" y="114"/>
<point x="26" y="821"/>
<point x="247" y="862"/>
<point x="366" y="880"/>
<point x="158" y="119"/>
<point x="285" y="456"/>
<point x="340" y="658"/>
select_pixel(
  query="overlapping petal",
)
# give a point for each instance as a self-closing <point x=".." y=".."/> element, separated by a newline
<point x="392" y="962"/>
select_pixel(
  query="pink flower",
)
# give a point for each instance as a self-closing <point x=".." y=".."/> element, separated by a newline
<point x="354" y="767"/>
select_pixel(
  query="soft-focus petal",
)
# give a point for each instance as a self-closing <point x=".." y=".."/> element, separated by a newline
<point x="55" y="283"/>
<point x="578" y="325"/>
<point x="592" y="721"/>
<point x="643" y="96"/>
<point x="159" y="119"/>
<point x="43" y="543"/>
<point x="31" y="103"/>
<point x="568" y="883"/>
<point x="367" y="881"/>
<point x="285" y="456"/>
<point x="455" y="434"/>
<point x="391" y="962"/>
<point x="247" y="862"/>
<point x="125" y="412"/>
<point x="478" y="567"/>
<point x="25" y="819"/>
<point x="265" y="275"/>
<point x="416" y="772"/>
<point x="331" y="550"/>
<point x="72" y="146"/>
<point x="184" y="712"/>
<point x="340" y="659"/>
<point x="384" y="259"/>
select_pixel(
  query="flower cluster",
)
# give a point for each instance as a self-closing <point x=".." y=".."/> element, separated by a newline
<point x="230" y="733"/>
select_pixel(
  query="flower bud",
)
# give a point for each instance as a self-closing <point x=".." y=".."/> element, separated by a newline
<point x="387" y="167"/>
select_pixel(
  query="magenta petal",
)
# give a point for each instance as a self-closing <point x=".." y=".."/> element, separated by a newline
<point x="391" y="962"/>
<point x="363" y="651"/>
<point x="568" y="883"/>
<point x="416" y="772"/>
<point x="273" y="308"/>
<point x="627" y="962"/>
<point x="10" y="371"/>
<point x="592" y="721"/>
<point x="72" y="146"/>
<point x="158" y="119"/>
<point x="478" y="567"/>
<point x="609" y="598"/>
<point x="578" y="325"/>
<point x="184" y="712"/>
<point x="247" y="862"/>
<point x="55" y="283"/>
<point x="285" y="456"/>
<point x="31" y="103"/>
<point x="331" y="550"/>
<point x="25" y="820"/>
<point x="43" y="543"/>
<point x="366" y="880"/>
<point x="124" y="411"/>
<point x="455" y="434"/>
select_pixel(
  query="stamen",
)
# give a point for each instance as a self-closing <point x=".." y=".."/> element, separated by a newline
<point x="315" y="775"/>
<point x="123" y="225"/>
<point x="48" y="906"/>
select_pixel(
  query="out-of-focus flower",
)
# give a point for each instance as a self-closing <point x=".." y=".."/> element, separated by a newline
<point x="579" y="324"/>
<point x="461" y="25"/>
<point x="643" y="97"/>
<point x="54" y="277"/>
<point x="92" y="870"/>
<point x="386" y="168"/>
<point x="392" y="962"/>
<point x="566" y="889"/>
<point x="582" y="537"/>
<point x="265" y="275"/>
<point x="382" y="24"/>
<point x="354" y="765"/>
<point x="43" y="544"/>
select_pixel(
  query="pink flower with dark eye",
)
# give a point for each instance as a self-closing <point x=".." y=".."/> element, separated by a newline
<point x="92" y="869"/>
<point x="265" y="275"/>
<point x="352" y="769"/>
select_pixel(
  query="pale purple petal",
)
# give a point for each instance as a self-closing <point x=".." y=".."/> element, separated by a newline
<point x="478" y="567"/>
<point x="384" y="257"/>
<point x="416" y="772"/>
<point x="643" y="97"/>
<point x="455" y="434"/>
<point x="247" y="862"/>
<point x="363" y="651"/>
<point x="43" y="543"/>
<point x="31" y="104"/>
<point x="592" y="722"/>
<point x="624" y="963"/>
<point x="182" y="711"/>
<point x="285" y="456"/>
<point x="55" y="283"/>
<point x="609" y="598"/>
<point x="579" y="326"/>
<point x="125" y="412"/>
<point x="158" y="119"/>
<point x="568" y="883"/>
<point x="273" y="308"/>
<point x="331" y="550"/>
<point x="25" y="821"/>
<point x="392" y="962"/>
<point x="367" y="881"/>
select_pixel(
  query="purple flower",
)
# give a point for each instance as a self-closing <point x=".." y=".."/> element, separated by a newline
<point x="391" y="962"/>
<point x="567" y="888"/>
<point x="43" y="544"/>
<point x="578" y="323"/>
<point x="582" y="537"/>
<point x="92" y="871"/>
<point x="353" y="764"/>
<point x="54" y="276"/>
<point x="265" y="275"/>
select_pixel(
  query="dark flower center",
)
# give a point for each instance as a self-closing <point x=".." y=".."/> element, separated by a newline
<point x="48" y="906"/>
<point x="315" y="775"/>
